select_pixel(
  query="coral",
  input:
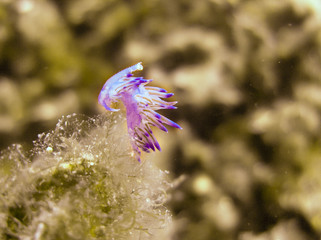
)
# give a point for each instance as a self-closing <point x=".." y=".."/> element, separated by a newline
<point x="79" y="182"/>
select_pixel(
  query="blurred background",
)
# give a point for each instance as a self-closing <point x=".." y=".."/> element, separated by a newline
<point x="246" y="74"/>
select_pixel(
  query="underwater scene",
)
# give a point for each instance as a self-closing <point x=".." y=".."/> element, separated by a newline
<point x="160" y="119"/>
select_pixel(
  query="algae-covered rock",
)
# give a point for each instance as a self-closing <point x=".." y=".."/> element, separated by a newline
<point x="80" y="182"/>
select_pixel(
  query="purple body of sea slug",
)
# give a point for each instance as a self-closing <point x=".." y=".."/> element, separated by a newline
<point x="141" y="103"/>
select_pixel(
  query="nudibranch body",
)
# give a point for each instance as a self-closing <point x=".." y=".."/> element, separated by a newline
<point x="141" y="104"/>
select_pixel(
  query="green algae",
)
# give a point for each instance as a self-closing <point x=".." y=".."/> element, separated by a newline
<point x="80" y="182"/>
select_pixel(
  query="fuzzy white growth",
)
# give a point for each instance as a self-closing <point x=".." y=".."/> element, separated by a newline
<point x="81" y="183"/>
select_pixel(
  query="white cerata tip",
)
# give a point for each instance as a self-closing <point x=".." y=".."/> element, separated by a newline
<point x="139" y="66"/>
